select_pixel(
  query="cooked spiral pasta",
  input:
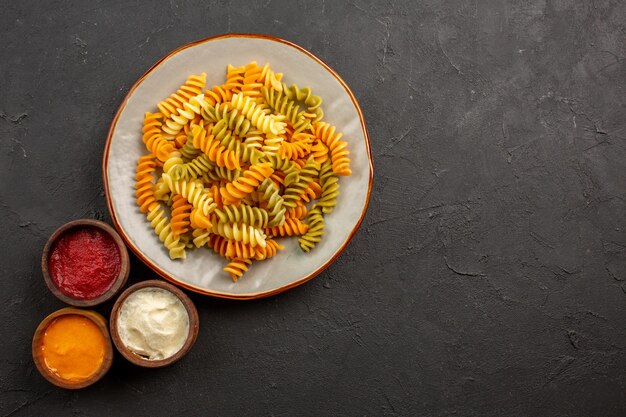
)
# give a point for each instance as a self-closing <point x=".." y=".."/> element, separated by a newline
<point x="192" y="87"/>
<point x="299" y="211"/>
<point x="239" y="164"/>
<point x="246" y="214"/>
<point x="193" y="192"/>
<point x="153" y="138"/>
<point x="237" y="267"/>
<point x="282" y="104"/>
<point x="214" y="150"/>
<point x="269" y="251"/>
<point x="291" y="227"/>
<point x="294" y="150"/>
<point x="181" y="211"/>
<point x="186" y="113"/>
<point x="338" y="152"/>
<point x="192" y="169"/>
<point x="144" y="186"/>
<point x="250" y="179"/>
<point x="162" y="228"/>
<point x="201" y="237"/>
<point x="266" y="123"/>
<point x="316" y="229"/>
<point x="306" y="96"/>
<point x="239" y="232"/>
<point x="330" y="188"/>
<point x="229" y="248"/>
<point x="274" y="203"/>
<point x="294" y="191"/>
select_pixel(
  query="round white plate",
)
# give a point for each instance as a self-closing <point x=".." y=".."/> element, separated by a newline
<point x="202" y="270"/>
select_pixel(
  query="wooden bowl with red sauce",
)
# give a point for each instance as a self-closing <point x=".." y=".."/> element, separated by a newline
<point x="85" y="263"/>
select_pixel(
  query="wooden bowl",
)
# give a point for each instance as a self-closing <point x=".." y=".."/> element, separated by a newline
<point x="55" y="379"/>
<point x="119" y="282"/>
<point x="191" y="337"/>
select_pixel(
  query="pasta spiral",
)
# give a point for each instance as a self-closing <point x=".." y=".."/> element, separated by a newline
<point x="239" y="232"/>
<point x="144" y="187"/>
<point x="330" y="188"/>
<point x="305" y="95"/>
<point x="269" y="194"/>
<point x="253" y="216"/>
<point x="229" y="248"/>
<point x="291" y="227"/>
<point x="191" y="170"/>
<point x="316" y="229"/>
<point x="250" y="179"/>
<point x="162" y="228"/>
<point x="184" y="115"/>
<point x="181" y="211"/>
<point x="338" y="152"/>
<point x="193" y="192"/>
<point x="294" y="191"/>
<point x="214" y="150"/>
<point x="250" y="109"/>
<point x="153" y="138"/>
<point x="237" y="267"/>
<point x="282" y="104"/>
<point x="192" y="87"/>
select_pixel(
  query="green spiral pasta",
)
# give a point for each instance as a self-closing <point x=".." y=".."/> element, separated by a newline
<point x="252" y="216"/>
<point x="285" y="165"/>
<point x="188" y="151"/>
<point x="305" y="95"/>
<point x="294" y="191"/>
<point x="191" y="170"/>
<point x="268" y="193"/>
<point x="313" y="236"/>
<point x="282" y="104"/>
<point x="330" y="188"/>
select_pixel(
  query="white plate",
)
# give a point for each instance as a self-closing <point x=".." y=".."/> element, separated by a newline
<point x="202" y="270"/>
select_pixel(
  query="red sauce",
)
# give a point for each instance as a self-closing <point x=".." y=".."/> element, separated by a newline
<point x="84" y="263"/>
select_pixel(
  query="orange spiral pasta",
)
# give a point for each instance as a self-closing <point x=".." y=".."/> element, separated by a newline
<point x="214" y="149"/>
<point x="291" y="227"/>
<point x="237" y="267"/>
<point x="233" y="192"/>
<point x="181" y="211"/>
<point x="338" y="152"/>
<point x="241" y="165"/>
<point x="153" y="138"/>
<point x="144" y="185"/>
<point x="229" y="248"/>
<point x="269" y="251"/>
<point x="192" y="87"/>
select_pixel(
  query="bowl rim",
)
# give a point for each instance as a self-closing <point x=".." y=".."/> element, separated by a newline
<point x="119" y="281"/>
<point x="99" y="321"/>
<point x="164" y="274"/>
<point x="192" y="313"/>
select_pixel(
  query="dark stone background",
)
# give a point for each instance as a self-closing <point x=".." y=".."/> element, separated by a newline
<point x="489" y="276"/>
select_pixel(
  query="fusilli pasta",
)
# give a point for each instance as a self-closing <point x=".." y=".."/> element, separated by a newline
<point x="237" y="165"/>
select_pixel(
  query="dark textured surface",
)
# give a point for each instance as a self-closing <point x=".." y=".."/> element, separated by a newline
<point x="489" y="276"/>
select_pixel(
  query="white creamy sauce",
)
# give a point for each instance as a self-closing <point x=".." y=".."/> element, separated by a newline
<point x="153" y="323"/>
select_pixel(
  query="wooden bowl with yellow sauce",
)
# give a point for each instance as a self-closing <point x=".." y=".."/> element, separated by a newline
<point x="72" y="348"/>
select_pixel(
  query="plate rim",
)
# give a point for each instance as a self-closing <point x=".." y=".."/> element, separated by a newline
<point x="163" y="274"/>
